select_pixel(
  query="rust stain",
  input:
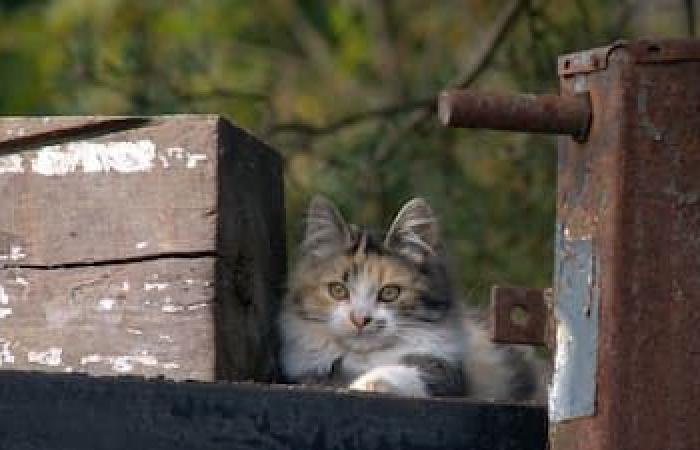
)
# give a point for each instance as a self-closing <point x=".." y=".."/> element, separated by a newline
<point x="627" y="187"/>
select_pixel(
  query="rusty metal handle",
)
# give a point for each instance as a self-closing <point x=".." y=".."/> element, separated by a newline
<point x="551" y="114"/>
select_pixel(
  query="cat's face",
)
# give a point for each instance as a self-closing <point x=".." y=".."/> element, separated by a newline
<point x="367" y="289"/>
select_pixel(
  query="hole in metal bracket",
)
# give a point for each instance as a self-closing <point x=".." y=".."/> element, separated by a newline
<point x="519" y="316"/>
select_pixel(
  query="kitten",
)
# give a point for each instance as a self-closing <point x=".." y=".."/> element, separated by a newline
<point x="376" y="313"/>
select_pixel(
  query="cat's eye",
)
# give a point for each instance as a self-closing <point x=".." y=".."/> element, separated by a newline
<point x="389" y="293"/>
<point x="338" y="291"/>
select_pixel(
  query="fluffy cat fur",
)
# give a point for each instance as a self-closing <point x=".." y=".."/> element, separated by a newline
<point x="375" y="312"/>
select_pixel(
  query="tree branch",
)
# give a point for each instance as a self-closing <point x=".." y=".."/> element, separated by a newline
<point x="494" y="38"/>
<point x="352" y="119"/>
<point x="423" y="107"/>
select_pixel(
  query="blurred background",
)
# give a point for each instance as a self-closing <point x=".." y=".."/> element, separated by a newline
<point x="344" y="90"/>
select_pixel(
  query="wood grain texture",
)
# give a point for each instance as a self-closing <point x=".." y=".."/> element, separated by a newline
<point x="151" y="318"/>
<point x="87" y="208"/>
<point x="251" y="263"/>
<point x="129" y="193"/>
<point x="52" y="412"/>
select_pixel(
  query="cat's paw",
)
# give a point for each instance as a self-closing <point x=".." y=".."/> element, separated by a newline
<point x="399" y="380"/>
<point x="372" y="384"/>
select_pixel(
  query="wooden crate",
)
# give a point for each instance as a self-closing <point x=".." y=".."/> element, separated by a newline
<point x="139" y="246"/>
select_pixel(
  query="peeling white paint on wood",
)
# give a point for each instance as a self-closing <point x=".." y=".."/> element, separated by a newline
<point x="172" y="308"/>
<point x="196" y="306"/>
<point x="125" y="286"/>
<point x="175" y="152"/>
<point x="205" y="283"/>
<point x="106" y="304"/>
<point x="94" y="358"/>
<point x="121" y="364"/>
<point x="11" y="164"/>
<point x="193" y="159"/>
<point x="157" y="286"/>
<point x="171" y="366"/>
<point x="16" y="253"/>
<point x="141" y="245"/>
<point x="134" y="331"/>
<point x="92" y="157"/>
<point x="51" y="357"/>
<point x="96" y="157"/>
<point x="4" y="298"/>
<point x="6" y="356"/>
<point x="4" y="312"/>
<point x="126" y="363"/>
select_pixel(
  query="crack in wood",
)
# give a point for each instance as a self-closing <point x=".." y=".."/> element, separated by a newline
<point x="113" y="262"/>
<point x="72" y="132"/>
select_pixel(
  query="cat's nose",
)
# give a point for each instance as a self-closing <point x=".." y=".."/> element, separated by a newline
<point x="359" y="320"/>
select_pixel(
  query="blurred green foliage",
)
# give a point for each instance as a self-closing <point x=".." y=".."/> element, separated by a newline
<point x="294" y="71"/>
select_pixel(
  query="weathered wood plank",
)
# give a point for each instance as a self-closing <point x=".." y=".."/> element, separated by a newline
<point x="125" y="194"/>
<point x="151" y="318"/>
<point x="54" y="412"/>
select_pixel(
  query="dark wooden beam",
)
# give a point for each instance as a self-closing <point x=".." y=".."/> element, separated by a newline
<point x="56" y="411"/>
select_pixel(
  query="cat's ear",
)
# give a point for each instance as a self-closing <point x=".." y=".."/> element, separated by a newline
<point x="326" y="231"/>
<point x="414" y="233"/>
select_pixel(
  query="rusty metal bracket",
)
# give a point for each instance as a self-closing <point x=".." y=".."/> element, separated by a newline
<point x="553" y="114"/>
<point x="518" y="315"/>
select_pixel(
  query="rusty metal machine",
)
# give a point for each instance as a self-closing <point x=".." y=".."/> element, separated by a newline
<point x="625" y="303"/>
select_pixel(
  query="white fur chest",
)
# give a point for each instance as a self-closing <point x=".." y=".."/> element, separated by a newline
<point x="308" y="350"/>
<point x="355" y="364"/>
<point x="446" y="344"/>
